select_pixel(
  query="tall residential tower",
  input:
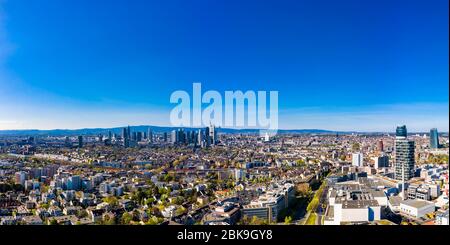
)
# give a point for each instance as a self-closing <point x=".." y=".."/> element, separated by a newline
<point x="404" y="155"/>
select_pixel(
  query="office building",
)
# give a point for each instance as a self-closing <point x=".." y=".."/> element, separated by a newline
<point x="124" y="133"/>
<point x="150" y="135"/>
<point x="354" y="202"/>
<point x="419" y="192"/>
<point x="74" y="183"/>
<point x="128" y="132"/>
<point x="269" y="205"/>
<point x="404" y="155"/>
<point x="381" y="162"/>
<point x="434" y="138"/>
<point x="207" y="137"/>
<point x="20" y="177"/>
<point x="212" y="134"/>
<point x="80" y="141"/>
<point x="174" y="137"/>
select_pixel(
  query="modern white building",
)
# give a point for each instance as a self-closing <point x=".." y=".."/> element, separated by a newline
<point x="353" y="202"/>
<point x="357" y="159"/>
<point x="416" y="208"/>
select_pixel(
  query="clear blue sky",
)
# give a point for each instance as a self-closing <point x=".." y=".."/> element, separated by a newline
<point x="343" y="65"/>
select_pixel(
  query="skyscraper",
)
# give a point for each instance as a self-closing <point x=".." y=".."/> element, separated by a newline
<point x="173" y="137"/>
<point x="212" y="134"/>
<point x="199" y="137"/>
<point x="80" y="141"/>
<point x="434" y="138"/>
<point x="124" y="133"/>
<point x="125" y="138"/>
<point x="150" y="135"/>
<point x="404" y="155"/>
<point x="207" y="137"/>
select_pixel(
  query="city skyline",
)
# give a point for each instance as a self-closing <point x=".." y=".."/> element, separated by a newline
<point x="122" y="68"/>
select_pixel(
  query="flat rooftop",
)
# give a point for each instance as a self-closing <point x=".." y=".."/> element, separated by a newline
<point x="416" y="203"/>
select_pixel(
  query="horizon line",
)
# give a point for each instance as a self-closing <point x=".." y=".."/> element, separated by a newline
<point x="237" y="129"/>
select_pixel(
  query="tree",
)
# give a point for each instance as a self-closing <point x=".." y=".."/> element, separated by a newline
<point x="300" y="163"/>
<point x="180" y="210"/>
<point x="126" y="218"/>
<point x="53" y="222"/>
<point x="288" y="220"/>
<point x="303" y="188"/>
<point x="82" y="213"/>
<point x="258" y="221"/>
<point x="107" y="220"/>
<point x="111" y="200"/>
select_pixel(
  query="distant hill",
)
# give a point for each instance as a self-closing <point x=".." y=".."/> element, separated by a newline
<point x="144" y="128"/>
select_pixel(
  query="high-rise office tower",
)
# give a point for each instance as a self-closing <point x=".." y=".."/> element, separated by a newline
<point x="199" y="137"/>
<point x="434" y="138"/>
<point x="124" y="133"/>
<point x="150" y="135"/>
<point x="139" y="136"/>
<point x="129" y="132"/>
<point x="212" y="134"/>
<point x="173" y="137"/>
<point x="207" y="136"/>
<point x="181" y="136"/>
<point x="80" y="141"/>
<point x="404" y="155"/>
<point x="381" y="161"/>
<point x="193" y="138"/>
<point x="165" y="136"/>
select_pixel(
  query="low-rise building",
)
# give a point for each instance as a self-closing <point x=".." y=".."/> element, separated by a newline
<point x="416" y="208"/>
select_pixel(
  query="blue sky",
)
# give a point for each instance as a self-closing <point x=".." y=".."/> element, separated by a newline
<point x="341" y="65"/>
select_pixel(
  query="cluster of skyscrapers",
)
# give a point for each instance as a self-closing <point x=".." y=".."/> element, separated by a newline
<point x="202" y="138"/>
<point x="129" y="137"/>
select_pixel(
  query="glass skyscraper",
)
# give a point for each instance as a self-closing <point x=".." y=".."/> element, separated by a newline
<point x="434" y="138"/>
